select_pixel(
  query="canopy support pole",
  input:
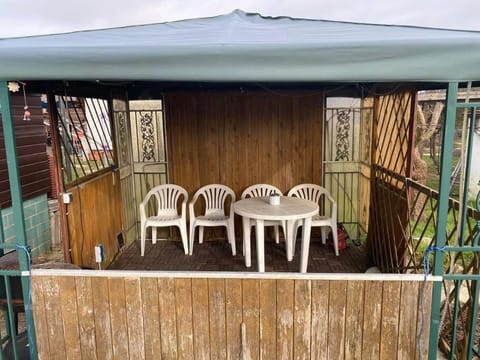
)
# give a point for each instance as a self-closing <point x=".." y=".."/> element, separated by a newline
<point x="17" y="206"/>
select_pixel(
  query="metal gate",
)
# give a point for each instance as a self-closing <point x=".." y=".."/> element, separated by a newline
<point x="346" y="161"/>
<point x="149" y="148"/>
<point x="123" y="142"/>
<point x="457" y="258"/>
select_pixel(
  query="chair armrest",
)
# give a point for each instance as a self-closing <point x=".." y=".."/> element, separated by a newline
<point x="184" y="206"/>
<point x="143" y="214"/>
<point x="333" y="204"/>
<point x="191" y="206"/>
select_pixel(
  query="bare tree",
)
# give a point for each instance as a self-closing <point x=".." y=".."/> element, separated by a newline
<point x="425" y="131"/>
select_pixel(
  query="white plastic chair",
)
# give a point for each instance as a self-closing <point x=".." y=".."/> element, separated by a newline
<point x="215" y="196"/>
<point x="167" y="197"/>
<point x="316" y="193"/>
<point x="261" y="190"/>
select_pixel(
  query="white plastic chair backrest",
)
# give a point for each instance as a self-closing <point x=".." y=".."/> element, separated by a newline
<point x="260" y="190"/>
<point x="167" y="197"/>
<point x="312" y="192"/>
<point x="215" y="196"/>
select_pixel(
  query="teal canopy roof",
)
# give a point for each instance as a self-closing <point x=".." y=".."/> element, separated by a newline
<point x="246" y="47"/>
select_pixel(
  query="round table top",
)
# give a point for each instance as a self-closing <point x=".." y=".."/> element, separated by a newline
<point x="290" y="208"/>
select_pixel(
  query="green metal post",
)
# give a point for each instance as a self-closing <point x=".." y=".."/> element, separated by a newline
<point x="2" y="235"/>
<point x="17" y="206"/>
<point x="442" y="213"/>
<point x="468" y="162"/>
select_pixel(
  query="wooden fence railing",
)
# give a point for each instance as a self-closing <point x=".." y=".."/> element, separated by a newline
<point x="120" y="315"/>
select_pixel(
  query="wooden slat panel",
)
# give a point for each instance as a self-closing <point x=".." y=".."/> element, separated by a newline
<point x="136" y="331"/>
<point x="302" y="319"/>
<point x="53" y="307"/>
<point x="183" y="307"/>
<point x="168" y="332"/>
<point x="354" y="320"/>
<point x="88" y="228"/>
<point x="151" y="318"/>
<point x="336" y="319"/>
<point x="103" y="332"/>
<point x="251" y="317"/>
<point x="285" y="307"/>
<point x="268" y="319"/>
<point x="30" y="139"/>
<point x="390" y="310"/>
<point x="407" y="332"/>
<point x="234" y="316"/>
<point x="201" y="329"/>
<point x="216" y="301"/>
<point x="320" y="305"/>
<point x="40" y="316"/>
<point x="86" y="320"/>
<point x="372" y="313"/>
<point x="68" y="298"/>
<point x="285" y="319"/>
<point x="239" y="139"/>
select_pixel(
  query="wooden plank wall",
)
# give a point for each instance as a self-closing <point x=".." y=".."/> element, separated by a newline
<point x="95" y="217"/>
<point x="243" y="138"/>
<point x="202" y="318"/>
<point x="31" y="143"/>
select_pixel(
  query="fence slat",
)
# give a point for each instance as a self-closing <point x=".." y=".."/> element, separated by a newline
<point x="268" y="319"/>
<point x="390" y="310"/>
<point x="354" y="320"/>
<point x="201" y="330"/>
<point x="251" y="317"/>
<point x="118" y="317"/>
<point x="427" y="306"/>
<point x="136" y="332"/>
<point x="372" y="313"/>
<point x="68" y="298"/>
<point x="320" y="296"/>
<point x="407" y="331"/>
<point x="41" y="322"/>
<point x="234" y="314"/>
<point x="168" y="331"/>
<point x="216" y="295"/>
<point x="151" y="318"/>
<point x="183" y="308"/>
<point x="285" y="293"/>
<point x="53" y="305"/>
<point x="336" y="319"/>
<point x="302" y="318"/>
<point x="86" y="320"/>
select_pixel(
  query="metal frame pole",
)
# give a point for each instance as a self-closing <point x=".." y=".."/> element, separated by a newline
<point x="442" y="213"/>
<point x="17" y="206"/>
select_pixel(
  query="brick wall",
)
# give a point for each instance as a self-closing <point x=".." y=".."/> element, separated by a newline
<point x="37" y="224"/>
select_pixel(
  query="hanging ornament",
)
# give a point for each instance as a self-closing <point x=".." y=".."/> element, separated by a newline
<point x="26" y="113"/>
<point x="13" y="86"/>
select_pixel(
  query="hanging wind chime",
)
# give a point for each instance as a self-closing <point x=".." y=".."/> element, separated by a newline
<point x="13" y="86"/>
<point x="26" y="113"/>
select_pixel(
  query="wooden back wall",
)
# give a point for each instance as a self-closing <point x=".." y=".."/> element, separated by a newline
<point x="243" y="138"/>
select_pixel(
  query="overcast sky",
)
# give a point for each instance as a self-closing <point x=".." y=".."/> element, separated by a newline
<point x="31" y="17"/>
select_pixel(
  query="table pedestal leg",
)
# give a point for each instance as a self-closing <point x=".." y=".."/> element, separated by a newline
<point x="289" y="239"/>
<point x="260" y="245"/>
<point x="307" y="224"/>
<point x="246" y="242"/>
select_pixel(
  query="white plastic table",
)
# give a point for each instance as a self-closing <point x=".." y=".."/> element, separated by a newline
<point x="289" y="210"/>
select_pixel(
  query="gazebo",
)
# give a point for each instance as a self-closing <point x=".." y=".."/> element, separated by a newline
<point x="242" y="99"/>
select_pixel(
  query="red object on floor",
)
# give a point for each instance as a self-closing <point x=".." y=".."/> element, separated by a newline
<point x="342" y="239"/>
